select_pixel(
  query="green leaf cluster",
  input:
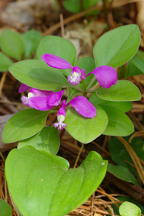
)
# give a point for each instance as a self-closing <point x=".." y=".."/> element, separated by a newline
<point x="15" y="46"/>
<point x="76" y="6"/>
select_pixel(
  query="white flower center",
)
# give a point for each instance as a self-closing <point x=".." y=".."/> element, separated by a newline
<point x="61" y="118"/>
<point x="75" y="77"/>
<point x="30" y="94"/>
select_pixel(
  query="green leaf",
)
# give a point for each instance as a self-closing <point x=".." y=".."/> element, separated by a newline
<point x="124" y="90"/>
<point x="83" y="129"/>
<point x="138" y="145"/>
<point x="119" y="154"/>
<point x="126" y="198"/>
<point x="5" y="62"/>
<point x="23" y="125"/>
<point x="122" y="106"/>
<point x="73" y="6"/>
<point x="122" y="173"/>
<point x="136" y="65"/>
<point x="37" y="74"/>
<point x="5" y="209"/>
<point x="117" y="46"/>
<point x="41" y="183"/>
<point x="88" y="64"/>
<point x="46" y="140"/>
<point x="11" y="44"/>
<point x="119" y="124"/>
<point x="31" y="41"/>
<point x="57" y="46"/>
<point x="89" y="3"/>
<point x="129" y="209"/>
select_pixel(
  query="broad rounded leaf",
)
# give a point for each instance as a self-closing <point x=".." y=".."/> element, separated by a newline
<point x="31" y="41"/>
<point x="89" y="3"/>
<point x="24" y="124"/>
<point x="119" y="123"/>
<point x="124" y="90"/>
<point x="117" y="46"/>
<point x="57" y="46"/>
<point x="41" y="184"/>
<point x="122" y="173"/>
<point x="47" y="139"/>
<point x="129" y="209"/>
<point x="135" y="66"/>
<point x="12" y="44"/>
<point x="73" y="6"/>
<point x="5" y="62"/>
<point x="37" y="74"/>
<point x="86" y="130"/>
<point x="123" y="106"/>
<point x="5" y="209"/>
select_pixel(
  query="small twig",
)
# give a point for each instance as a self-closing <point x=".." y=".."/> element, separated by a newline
<point x="71" y="19"/>
<point x="62" y="25"/>
<point x="2" y="81"/>
<point x="78" y="156"/>
<point x="136" y="134"/>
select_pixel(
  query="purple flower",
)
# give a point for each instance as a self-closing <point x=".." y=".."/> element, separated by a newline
<point x="61" y="116"/>
<point x="105" y="75"/>
<point x="80" y="104"/>
<point x="39" y="99"/>
<point x="77" y="74"/>
<point x="23" y="88"/>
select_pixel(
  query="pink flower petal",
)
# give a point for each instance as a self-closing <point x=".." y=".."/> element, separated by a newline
<point x="82" y="105"/>
<point x="56" y="62"/>
<point x="105" y="75"/>
<point x="39" y="103"/>
<point x="38" y="92"/>
<point x="23" y="88"/>
<point x="54" y="98"/>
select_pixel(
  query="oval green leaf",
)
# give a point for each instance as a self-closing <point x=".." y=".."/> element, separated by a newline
<point x="12" y="44"/>
<point x="83" y="129"/>
<point x="124" y="90"/>
<point x="47" y="140"/>
<point x="23" y="125"/>
<point x="41" y="183"/>
<point x="5" y="62"/>
<point x="122" y="173"/>
<point x="73" y="6"/>
<point x="37" y="74"/>
<point x="129" y="209"/>
<point x="117" y="46"/>
<point x="31" y="41"/>
<point x="57" y="46"/>
<point x="119" y="123"/>
<point x="123" y="106"/>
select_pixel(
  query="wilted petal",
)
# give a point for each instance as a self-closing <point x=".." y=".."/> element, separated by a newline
<point x="54" y="98"/>
<point x="23" y="88"/>
<point x="105" y="75"/>
<point x="56" y="62"/>
<point x="83" y="106"/>
<point x="39" y="103"/>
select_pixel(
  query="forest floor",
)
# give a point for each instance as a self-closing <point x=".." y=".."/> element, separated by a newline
<point x="83" y="29"/>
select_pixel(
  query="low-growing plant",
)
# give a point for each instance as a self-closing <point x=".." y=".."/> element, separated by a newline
<point x="15" y="46"/>
<point x="87" y="99"/>
<point x="76" y="6"/>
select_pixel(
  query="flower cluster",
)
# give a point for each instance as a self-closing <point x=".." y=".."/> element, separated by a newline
<point x="47" y="100"/>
